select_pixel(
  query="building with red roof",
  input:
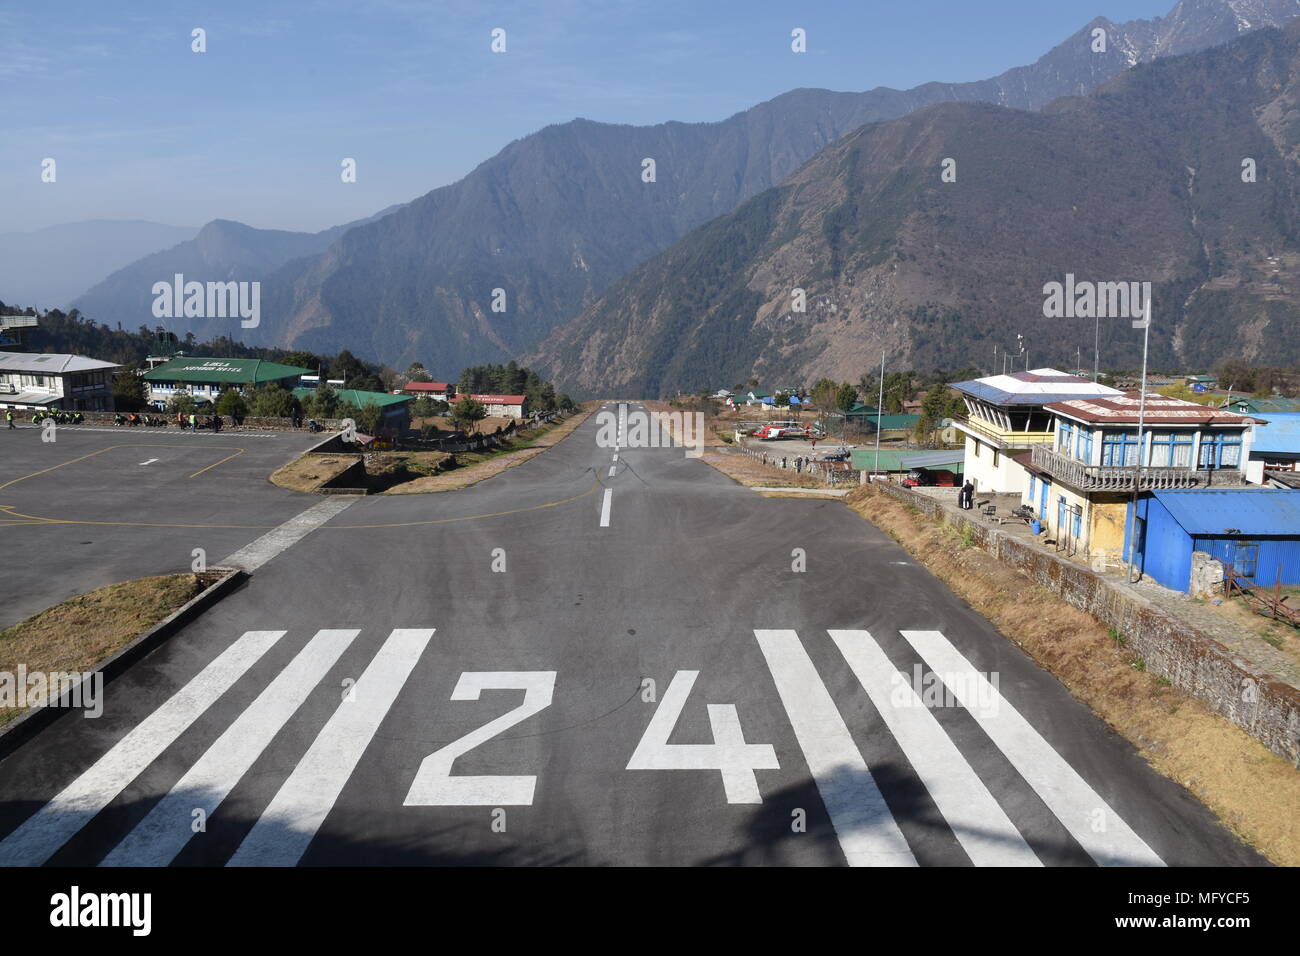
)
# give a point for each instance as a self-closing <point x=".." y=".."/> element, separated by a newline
<point x="502" y="406"/>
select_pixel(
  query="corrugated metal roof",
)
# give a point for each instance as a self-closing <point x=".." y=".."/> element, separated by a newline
<point x="1281" y="434"/>
<point x="1038" y="387"/>
<point x="864" y="459"/>
<point x="935" y="459"/>
<point x="1248" y="512"/>
<point x="1159" y="410"/>
<point x="49" y="363"/>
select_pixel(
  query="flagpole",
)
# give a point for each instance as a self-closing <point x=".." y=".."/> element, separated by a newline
<point x="1142" y="414"/>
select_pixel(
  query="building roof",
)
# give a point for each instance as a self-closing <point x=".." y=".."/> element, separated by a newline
<point x="1250" y="512"/>
<point x="1160" y="410"/>
<point x="890" y="422"/>
<point x="891" y="459"/>
<point x="861" y="408"/>
<point x="1038" y="387"/>
<point x="1281" y="434"/>
<point x="495" y="399"/>
<point x="49" y="363"/>
<point x="935" y="459"/>
<point x="425" y="387"/>
<point x="359" y="398"/>
<point x="225" y="370"/>
<point x="1263" y="406"/>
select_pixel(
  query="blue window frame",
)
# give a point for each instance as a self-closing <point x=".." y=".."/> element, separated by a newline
<point x="1220" y="450"/>
<point x="1171" y="449"/>
<point x="1084" y="446"/>
<point x="1064" y="434"/>
<point x="1076" y="525"/>
<point x="1119" y="449"/>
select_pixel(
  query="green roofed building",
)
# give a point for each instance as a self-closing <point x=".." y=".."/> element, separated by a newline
<point x="888" y="423"/>
<point x="206" y="378"/>
<point x="397" y="413"/>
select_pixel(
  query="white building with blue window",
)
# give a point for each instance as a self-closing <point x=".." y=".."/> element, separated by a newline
<point x="1080" y="484"/>
<point x="1005" y="418"/>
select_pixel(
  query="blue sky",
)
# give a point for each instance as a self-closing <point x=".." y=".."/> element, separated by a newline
<point x="255" y="128"/>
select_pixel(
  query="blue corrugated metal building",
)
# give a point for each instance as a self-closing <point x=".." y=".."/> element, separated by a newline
<point x="1255" y="531"/>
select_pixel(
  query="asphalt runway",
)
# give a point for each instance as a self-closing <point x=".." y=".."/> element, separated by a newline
<point x="564" y="666"/>
<point x="100" y="504"/>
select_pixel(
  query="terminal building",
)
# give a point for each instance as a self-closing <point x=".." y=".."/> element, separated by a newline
<point x="55" y="382"/>
<point x="206" y="378"/>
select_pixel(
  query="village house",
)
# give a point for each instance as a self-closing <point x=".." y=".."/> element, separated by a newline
<point x="501" y="406"/>
<point x="439" y="391"/>
<point x="48" y="381"/>
<point x="1080" y="484"/>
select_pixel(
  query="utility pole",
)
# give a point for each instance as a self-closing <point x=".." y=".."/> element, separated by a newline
<point x="880" y="409"/>
<point x="1096" y="350"/>
<point x="1141" y="445"/>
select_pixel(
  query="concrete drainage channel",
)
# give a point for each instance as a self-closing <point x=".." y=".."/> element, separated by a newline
<point x="221" y="582"/>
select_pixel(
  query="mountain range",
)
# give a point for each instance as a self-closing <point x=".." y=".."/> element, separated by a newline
<point x="1142" y="181"/>
<point x="557" y="217"/>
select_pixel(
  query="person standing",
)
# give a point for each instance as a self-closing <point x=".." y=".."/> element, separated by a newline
<point x="9" y="417"/>
<point x="967" y="495"/>
<point x="194" y="422"/>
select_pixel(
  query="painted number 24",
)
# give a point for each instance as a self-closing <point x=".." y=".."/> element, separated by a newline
<point x="729" y="754"/>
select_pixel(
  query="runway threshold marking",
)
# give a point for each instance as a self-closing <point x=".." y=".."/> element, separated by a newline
<point x="863" y="824"/>
<point x="163" y="833"/>
<point x="1072" y="801"/>
<point x="979" y="823"/>
<point x="41" y="834"/>
<point x="290" y="822"/>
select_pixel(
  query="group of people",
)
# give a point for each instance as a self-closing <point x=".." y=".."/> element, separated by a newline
<point x="798" y="464"/>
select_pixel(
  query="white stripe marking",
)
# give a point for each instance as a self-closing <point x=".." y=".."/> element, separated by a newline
<point x="866" y="829"/>
<point x="36" y="840"/>
<point x="255" y="554"/>
<point x="164" y="832"/>
<point x="612" y="469"/>
<point x="604" y="508"/>
<point x="1079" y="808"/>
<point x="283" y="832"/>
<point x="979" y="823"/>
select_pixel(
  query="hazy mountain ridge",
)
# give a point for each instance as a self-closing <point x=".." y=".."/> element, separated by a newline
<point x="50" y="267"/>
<point x="223" y="250"/>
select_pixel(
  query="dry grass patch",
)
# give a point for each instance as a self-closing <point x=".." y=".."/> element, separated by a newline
<point x="1246" y="785"/>
<point x="472" y="467"/>
<point x="311" y="471"/>
<point x="79" y="633"/>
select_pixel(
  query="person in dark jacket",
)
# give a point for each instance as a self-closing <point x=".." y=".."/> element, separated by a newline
<point x="968" y="495"/>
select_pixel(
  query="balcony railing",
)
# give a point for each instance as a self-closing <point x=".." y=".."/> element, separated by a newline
<point x="1007" y="438"/>
<point x="1101" y="478"/>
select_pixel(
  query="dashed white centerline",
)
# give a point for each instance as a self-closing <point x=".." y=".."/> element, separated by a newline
<point x="604" y="508"/>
